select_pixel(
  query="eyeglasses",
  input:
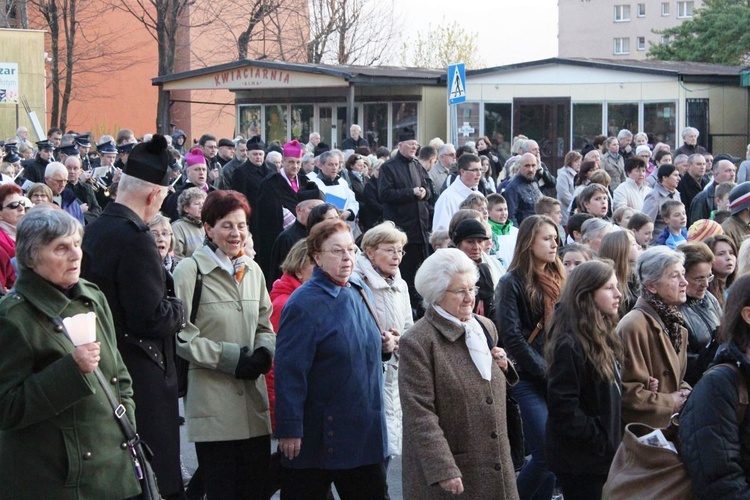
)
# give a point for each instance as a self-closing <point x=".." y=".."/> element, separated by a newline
<point x="700" y="279"/>
<point x="339" y="252"/>
<point x="15" y="205"/>
<point x="393" y="252"/>
<point x="471" y="292"/>
<point x="163" y="234"/>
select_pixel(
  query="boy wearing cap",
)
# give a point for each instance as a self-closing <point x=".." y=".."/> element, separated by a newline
<point x="737" y="226"/>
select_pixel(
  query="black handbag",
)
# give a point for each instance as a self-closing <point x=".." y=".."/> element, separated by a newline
<point x="140" y="453"/>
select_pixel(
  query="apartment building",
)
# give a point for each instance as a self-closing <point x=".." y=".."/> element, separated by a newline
<point x="615" y="29"/>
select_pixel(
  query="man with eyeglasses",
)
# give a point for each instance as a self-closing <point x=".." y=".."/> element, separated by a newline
<point x="196" y="172"/>
<point x="442" y="168"/>
<point x="56" y="178"/>
<point x="405" y="194"/>
<point x="469" y="175"/>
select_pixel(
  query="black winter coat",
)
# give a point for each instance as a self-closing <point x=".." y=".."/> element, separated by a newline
<point x="120" y="256"/>
<point x="400" y="205"/>
<point x="515" y="319"/>
<point x="583" y="426"/>
<point x="715" y="449"/>
<point x="33" y="170"/>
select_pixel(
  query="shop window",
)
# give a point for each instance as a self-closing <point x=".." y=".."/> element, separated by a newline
<point x="404" y="115"/>
<point x="660" y="121"/>
<point x="587" y="123"/>
<point x="276" y="123"/>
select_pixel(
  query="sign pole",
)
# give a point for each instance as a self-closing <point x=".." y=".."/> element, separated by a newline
<point x="456" y="95"/>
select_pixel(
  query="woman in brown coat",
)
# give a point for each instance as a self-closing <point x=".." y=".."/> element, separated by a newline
<point x="452" y="382"/>
<point x="655" y="341"/>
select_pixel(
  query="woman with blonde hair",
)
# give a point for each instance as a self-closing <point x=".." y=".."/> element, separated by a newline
<point x="39" y="193"/>
<point x="524" y="306"/>
<point x="621" y="248"/>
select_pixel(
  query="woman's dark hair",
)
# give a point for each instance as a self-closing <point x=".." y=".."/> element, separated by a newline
<point x="733" y="327"/>
<point x="585" y="171"/>
<point x="638" y="220"/>
<point x="577" y="314"/>
<point x="665" y="171"/>
<point x="317" y="214"/>
<point x="354" y="158"/>
<point x="219" y="203"/>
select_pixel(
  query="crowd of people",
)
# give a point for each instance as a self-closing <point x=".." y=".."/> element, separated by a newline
<point x="357" y="305"/>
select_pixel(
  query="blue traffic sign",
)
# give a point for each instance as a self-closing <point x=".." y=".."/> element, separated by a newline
<point x="456" y="83"/>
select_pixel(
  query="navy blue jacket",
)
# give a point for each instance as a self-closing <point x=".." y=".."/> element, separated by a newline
<point x="329" y="377"/>
<point x="521" y="195"/>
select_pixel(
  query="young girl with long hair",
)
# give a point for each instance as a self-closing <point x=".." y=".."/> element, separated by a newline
<point x="583" y="388"/>
<point x="621" y="248"/>
<point x="725" y="265"/>
<point x="525" y="300"/>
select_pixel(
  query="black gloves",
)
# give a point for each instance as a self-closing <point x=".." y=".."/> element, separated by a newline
<point x="251" y="366"/>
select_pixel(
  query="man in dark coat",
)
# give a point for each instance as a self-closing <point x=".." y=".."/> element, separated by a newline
<point x="120" y="256"/>
<point x="83" y="191"/>
<point x="523" y="191"/>
<point x="289" y="236"/>
<point x="277" y="203"/>
<point x="197" y="173"/>
<point x="248" y="176"/>
<point x="355" y="139"/>
<point x="404" y="194"/>
<point x="34" y="169"/>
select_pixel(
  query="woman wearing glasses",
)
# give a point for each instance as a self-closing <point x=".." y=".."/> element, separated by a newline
<point x="11" y="211"/>
<point x="452" y="381"/>
<point x="701" y="311"/>
<point x="377" y="266"/>
<point x="330" y="417"/>
<point x="524" y="302"/>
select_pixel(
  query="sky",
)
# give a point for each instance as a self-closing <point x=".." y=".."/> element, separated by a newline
<point x="510" y="31"/>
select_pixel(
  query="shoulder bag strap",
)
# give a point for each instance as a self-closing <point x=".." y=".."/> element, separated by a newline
<point x="535" y="332"/>
<point x="361" y="291"/>
<point x="117" y="408"/>
<point x="196" y="292"/>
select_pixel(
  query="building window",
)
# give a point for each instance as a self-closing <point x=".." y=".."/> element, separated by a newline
<point x="641" y="10"/>
<point x="660" y="119"/>
<point x="467" y="122"/>
<point x="404" y="115"/>
<point x="375" y="125"/>
<point x="664" y="39"/>
<point x="622" y="13"/>
<point x="641" y="43"/>
<point x="665" y="8"/>
<point x="685" y="9"/>
<point x="276" y="122"/>
<point x="250" y="121"/>
<point x="622" y="46"/>
<point x="498" y="118"/>
<point x="620" y="116"/>
<point x="302" y="121"/>
<point x="587" y="124"/>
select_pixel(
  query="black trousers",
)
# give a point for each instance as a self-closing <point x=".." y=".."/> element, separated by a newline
<point x="416" y="253"/>
<point x="362" y="483"/>
<point x="234" y="470"/>
<point x="582" y="486"/>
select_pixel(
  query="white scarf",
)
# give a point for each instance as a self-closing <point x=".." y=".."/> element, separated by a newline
<point x="475" y="341"/>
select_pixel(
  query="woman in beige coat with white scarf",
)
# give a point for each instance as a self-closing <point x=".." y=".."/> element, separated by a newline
<point x="453" y="386"/>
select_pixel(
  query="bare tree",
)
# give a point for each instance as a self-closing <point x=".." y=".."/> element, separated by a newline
<point x="13" y="14"/>
<point x="352" y="31"/>
<point x="162" y="19"/>
<point x="437" y="47"/>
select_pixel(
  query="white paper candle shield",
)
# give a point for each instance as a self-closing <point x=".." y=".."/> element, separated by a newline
<point x="81" y="328"/>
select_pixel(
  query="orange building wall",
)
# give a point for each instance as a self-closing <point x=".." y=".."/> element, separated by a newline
<point x="119" y="94"/>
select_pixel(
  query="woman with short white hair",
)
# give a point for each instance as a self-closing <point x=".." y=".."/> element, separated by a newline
<point x="452" y="381"/>
<point x="593" y="231"/>
<point x="655" y="341"/>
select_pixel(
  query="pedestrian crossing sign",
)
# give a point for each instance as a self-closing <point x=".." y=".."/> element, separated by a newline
<point x="456" y="83"/>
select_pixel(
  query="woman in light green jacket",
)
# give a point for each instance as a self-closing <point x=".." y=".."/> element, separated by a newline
<point x="230" y="346"/>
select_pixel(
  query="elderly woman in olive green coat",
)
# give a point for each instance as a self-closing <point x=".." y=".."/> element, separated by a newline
<point x="59" y="436"/>
<point x="452" y="382"/>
